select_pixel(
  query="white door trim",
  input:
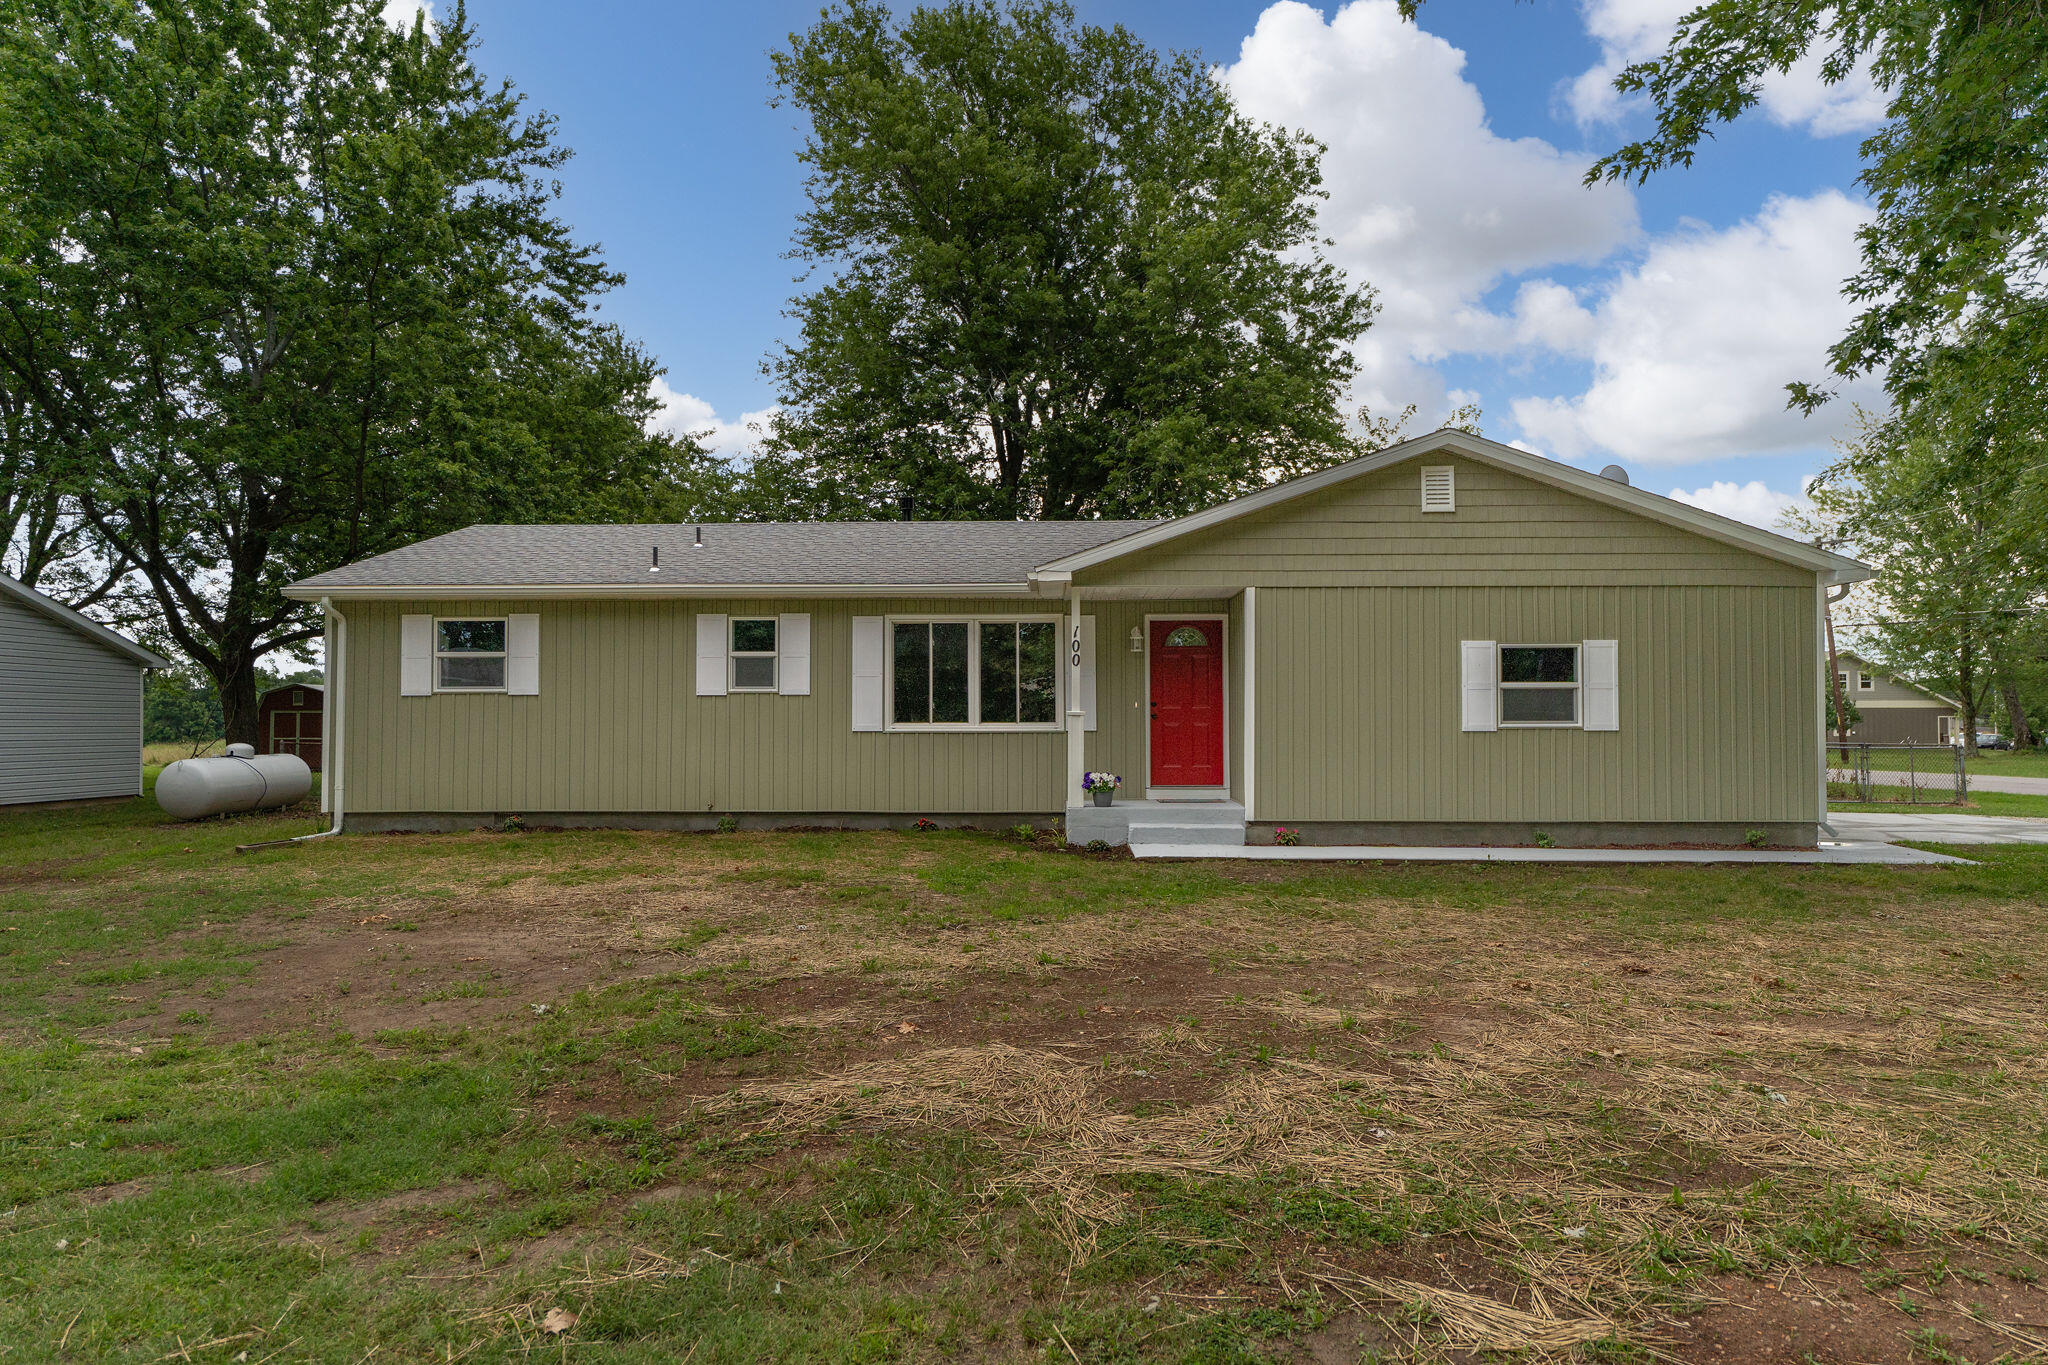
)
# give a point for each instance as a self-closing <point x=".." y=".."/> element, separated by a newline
<point x="1221" y="793"/>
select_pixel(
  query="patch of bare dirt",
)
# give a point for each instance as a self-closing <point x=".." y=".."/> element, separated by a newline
<point x="1835" y="1315"/>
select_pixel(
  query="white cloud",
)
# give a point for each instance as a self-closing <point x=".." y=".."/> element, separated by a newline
<point x="1751" y="502"/>
<point x="1691" y="349"/>
<point x="1426" y="202"/>
<point x="1630" y="31"/>
<point x="685" y="414"/>
<point x="399" y="13"/>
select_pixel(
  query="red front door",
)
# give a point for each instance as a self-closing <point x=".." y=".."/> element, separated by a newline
<point x="1187" y="703"/>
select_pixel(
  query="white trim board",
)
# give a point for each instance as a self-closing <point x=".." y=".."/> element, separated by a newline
<point x="1837" y="568"/>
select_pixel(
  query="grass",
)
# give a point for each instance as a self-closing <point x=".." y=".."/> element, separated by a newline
<point x="741" y="1097"/>
<point x="2013" y="804"/>
<point x="2009" y="763"/>
<point x="157" y="755"/>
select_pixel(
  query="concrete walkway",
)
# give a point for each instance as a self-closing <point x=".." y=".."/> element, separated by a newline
<point x="1859" y="851"/>
<point x="1935" y="827"/>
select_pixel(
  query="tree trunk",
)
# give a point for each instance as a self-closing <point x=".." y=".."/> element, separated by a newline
<point x="2015" y="715"/>
<point x="237" y="682"/>
<point x="1966" y="674"/>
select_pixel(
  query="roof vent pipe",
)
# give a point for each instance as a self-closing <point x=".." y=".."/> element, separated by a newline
<point x="700" y="538"/>
<point x="654" y="559"/>
<point x="1616" y="473"/>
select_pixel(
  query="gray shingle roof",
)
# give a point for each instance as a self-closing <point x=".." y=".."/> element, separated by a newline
<point x="734" y="554"/>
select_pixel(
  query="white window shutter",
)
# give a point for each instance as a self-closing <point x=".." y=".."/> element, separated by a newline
<point x="416" y="656"/>
<point x="1600" y="680"/>
<point x="1480" y="662"/>
<point x="711" y="653"/>
<point x="793" y="642"/>
<point x="522" y="654"/>
<point x="870" y="640"/>
<point x="1088" y="672"/>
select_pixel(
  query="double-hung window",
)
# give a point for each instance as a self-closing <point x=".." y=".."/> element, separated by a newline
<point x="753" y="654"/>
<point x="1539" y="685"/>
<point x="469" y="655"/>
<point x="974" y="672"/>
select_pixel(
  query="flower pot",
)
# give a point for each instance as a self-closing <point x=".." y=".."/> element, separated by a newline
<point x="1105" y="796"/>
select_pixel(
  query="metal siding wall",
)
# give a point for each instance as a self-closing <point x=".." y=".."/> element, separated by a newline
<point x="1358" y="706"/>
<point x="1508" y="530"/>
<point x="70" y="713"/>
<point x="618" y="725"/>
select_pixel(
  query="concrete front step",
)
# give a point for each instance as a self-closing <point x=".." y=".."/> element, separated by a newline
<point x="1205" y="836"/>
<point x="1215" y="824"/>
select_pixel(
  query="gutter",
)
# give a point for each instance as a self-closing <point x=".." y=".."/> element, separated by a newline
<point x="331" y="710"/>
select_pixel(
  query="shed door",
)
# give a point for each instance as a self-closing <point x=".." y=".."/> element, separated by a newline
<point x="1186" y="663"/>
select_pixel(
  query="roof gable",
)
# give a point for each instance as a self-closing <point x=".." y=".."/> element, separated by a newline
<point x="1609" y="492"/>
<point x="82" y="624"/>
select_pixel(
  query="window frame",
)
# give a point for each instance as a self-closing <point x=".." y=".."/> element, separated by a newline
<point x="439" y="654"/>
<point x="1577" y="686"/>
<point x="1865" y="681"/>
<point x="733" y="656"/>
<point x="974" y="624"/>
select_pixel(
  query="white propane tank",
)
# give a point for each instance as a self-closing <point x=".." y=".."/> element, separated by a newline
<point x="193" y="787"/>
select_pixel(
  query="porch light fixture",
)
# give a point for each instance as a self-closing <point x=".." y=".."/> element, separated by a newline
<point x="1137" y="640"/>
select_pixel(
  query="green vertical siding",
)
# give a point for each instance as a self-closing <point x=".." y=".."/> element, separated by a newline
<point x="618" y="725"/>
<point x="1372" y="532"/>
<point x="1358" y="700"/>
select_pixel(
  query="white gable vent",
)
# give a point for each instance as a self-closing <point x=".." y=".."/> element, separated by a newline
<point x="1439" y="488"/>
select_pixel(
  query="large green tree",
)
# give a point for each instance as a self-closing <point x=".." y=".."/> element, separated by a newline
<point x="1056" y="275"/>
<point x="280" y="287"/>
<point x="1922" y="499"/>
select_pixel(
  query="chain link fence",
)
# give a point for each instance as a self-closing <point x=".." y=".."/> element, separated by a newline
<point x="1910" y="774"/>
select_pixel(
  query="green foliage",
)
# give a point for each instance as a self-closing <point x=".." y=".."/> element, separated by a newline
<point x="280" y="288"/>
<point x="1955" y="602"/>
<point x="1059" y="276"/>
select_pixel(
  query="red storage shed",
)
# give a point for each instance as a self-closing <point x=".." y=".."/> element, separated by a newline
<point x="290" y="721"/>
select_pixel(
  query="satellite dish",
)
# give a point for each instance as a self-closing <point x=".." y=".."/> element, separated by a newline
<point x="1616" y="473"/>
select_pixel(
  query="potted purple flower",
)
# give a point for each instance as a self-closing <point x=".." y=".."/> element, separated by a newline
<point x="1102" y="786"/>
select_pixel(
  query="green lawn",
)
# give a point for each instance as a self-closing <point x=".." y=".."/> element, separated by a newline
<point x="1980" y="803"/>
<point x="2004" y="763"/>
<point x="865" y="1097"/>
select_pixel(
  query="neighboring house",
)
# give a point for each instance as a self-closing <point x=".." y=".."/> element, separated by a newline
<point x="1451" y="641"/>
<point x="288" y="721"/>
<point x="70" y="702"/>
<point x="1894" y="711"/>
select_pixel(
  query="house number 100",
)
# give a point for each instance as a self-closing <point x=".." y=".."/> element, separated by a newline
<point x="1074" y="651"/>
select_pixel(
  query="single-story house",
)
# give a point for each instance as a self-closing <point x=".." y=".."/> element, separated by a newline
<point x="1448" y="641"/>
<point x="70" y="702"/>
<point x="1894" y="711"/>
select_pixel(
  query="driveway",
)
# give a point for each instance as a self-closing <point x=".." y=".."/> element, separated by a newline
<point x="1933" y="828"/>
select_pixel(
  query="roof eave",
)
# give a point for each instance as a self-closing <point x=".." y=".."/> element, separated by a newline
<point x="313" y="591"/>
<point x="83" y="624"/>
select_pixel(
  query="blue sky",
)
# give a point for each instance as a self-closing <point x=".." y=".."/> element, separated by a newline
<point x="1655" y="326"/>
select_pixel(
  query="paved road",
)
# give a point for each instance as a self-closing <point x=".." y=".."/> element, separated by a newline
<point x="1929" y="828"/>
<point x="2025" y="786"/>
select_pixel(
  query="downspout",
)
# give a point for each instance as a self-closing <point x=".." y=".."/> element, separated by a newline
<point x="1831" y="684"/>
<point x="334" y="709"/>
